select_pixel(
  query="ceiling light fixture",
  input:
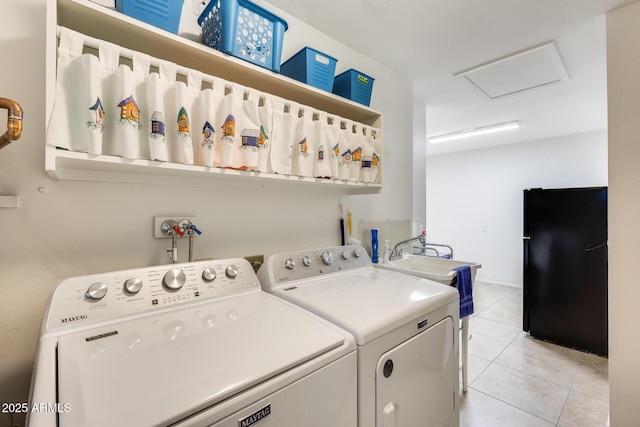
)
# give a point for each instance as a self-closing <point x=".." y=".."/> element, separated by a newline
<point x="474" y="132"/>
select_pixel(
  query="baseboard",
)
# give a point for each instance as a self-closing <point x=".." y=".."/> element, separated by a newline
<point x="493" y="282"/>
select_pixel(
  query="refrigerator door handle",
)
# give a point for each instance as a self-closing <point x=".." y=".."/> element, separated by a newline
<point x="526" y="237"/>
<point x="593" y="246"/>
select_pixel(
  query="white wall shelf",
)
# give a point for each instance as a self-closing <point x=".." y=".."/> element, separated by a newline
<point x="107" y="24"/>
<point x="75" y="166"/>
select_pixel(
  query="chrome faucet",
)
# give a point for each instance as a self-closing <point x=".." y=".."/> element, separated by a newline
<point x="396" y="253"/>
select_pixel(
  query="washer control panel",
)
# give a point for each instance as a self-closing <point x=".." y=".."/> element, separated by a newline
<point x="100" y="297"/>
<point x="287" y="267"/>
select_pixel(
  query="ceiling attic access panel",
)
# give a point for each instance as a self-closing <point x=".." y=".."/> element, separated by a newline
<point x="522" y="71"/>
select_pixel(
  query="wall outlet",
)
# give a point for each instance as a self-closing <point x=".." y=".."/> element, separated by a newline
<point x="256" y="261"/>
<point x="159" y="220"/>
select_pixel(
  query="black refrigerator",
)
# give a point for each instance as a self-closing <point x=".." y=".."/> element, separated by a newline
<point x="565" y="267"/>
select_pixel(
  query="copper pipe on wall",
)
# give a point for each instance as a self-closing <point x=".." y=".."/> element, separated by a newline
<point x="14" y="121"/>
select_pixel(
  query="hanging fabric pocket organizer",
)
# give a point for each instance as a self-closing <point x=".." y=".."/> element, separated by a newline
<point x="124" y="133"/>
<point x="157" y="88"/>
<point x="284" y="135"/>
<point x="356" y="142"/>
<point x="265" y="122"/>
<point x="179" y="104"/>
<point x="108" y="102"/>
<point x="77" y="120"/>
<point x="227" y="121"/>
<point x="204" y="127"/>
<point x="240" y="129"/>
<point x="246" y="147"/>
<point x="305" y="149"/>
<point x="328" y="151"/>
<point x="344" y="132"/>
<point x="371" y="156"/>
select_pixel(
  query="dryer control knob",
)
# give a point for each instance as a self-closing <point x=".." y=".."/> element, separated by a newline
<point x="174" y="279"/>
<point x="231" y="271"/>
<point x="356" y="253"/>
<point x="209" y="274"/>
<point x="133" y="285"/>
<point x="96" y="291"/>
<point x="289" y="264"/>
<point x="306" y="261"/>
<point x="345" y="255"/>
<point x="327" y="257"/>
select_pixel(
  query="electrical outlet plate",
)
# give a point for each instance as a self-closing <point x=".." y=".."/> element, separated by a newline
<point x="256" y="261"/>
<point x="158" y="220"/>
<point x="255" y="258"/>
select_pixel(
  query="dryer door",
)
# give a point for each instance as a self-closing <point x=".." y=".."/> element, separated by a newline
<point x="417" y="381"/>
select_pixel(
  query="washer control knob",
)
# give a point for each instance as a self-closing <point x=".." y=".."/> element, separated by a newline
<point x="231" y="271"/>
<point x="96" y="291"/>
<point x="289" y="264"/>
<point x="306" y="261"/>
<point x="345" y="255"/>
<point x="327" y="257"/>
<point x="209" y="274"/>
<point x="174" y="279"/>
<point x="357" y="253"/>
<point x="133" y="285"/>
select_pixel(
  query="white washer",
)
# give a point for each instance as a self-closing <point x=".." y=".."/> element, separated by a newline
<point x="405" y="327"/>
<point x="197" y="344"/>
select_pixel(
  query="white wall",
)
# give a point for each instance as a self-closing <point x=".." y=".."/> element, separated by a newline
<point x="623" y="58"/>
<point x="68" y="228"/>
<point x="419" y="163"/>
<point x="474" y="198"/>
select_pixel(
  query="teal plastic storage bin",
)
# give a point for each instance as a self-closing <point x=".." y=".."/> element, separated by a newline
<point x="244" y="30"/>
<point x="311" y="67"/>
<point x="354" y="85"/>
<point x="164" y="14"/>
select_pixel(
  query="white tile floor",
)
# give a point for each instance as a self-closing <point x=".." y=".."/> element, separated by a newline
<point x="516" y="380"/>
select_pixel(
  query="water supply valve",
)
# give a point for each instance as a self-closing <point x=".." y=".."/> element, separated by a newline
<point x="176" y="229"/>
<point x="191" y="230"/>
<point x="163" y="225"/>
<point x="167" y="227"/>
<point x="170" y="228"/>
<point x="194" y="229"/>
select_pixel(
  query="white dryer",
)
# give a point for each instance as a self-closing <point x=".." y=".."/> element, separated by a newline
<point x="197" y="344"/>
<point x="405" y="329"/>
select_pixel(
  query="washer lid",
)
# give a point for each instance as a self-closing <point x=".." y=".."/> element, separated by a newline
<point x="369" y="302"/>
<point x="159" y="369"/>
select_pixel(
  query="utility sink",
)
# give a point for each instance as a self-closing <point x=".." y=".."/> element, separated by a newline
<point x="437" y="269"/>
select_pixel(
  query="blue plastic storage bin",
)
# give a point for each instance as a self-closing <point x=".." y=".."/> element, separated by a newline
<point x="160" y="13"/>
<point x="244" y="30"/>
<point x="311" y="67"/>
<point x="354" y="85"/>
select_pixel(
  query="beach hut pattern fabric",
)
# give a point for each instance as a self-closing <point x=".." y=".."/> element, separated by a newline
<point x="98" y="119"/>
<point x="303" y="147"/>
<point x="320" y="153"/>
<point x="129" y="113"/>
<point x="250" y="139"/>
<point x="157" y="126"/>
<point x="184" y="127"/>
<point x="263" y="140"/>
<point x="229" y="129"/>
<point x="122" y="111"/>
<point x="208" y="132"/>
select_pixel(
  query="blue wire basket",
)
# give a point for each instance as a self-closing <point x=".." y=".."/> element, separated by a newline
<point x="244" y="30"/>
